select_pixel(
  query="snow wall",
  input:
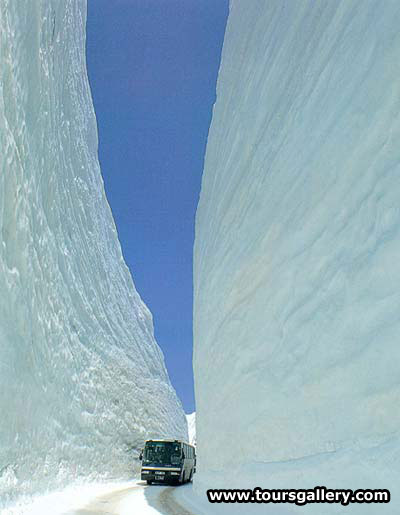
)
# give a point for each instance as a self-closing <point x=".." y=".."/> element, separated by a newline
<point x="82" y="380"/>
<point x="297" y="276"/>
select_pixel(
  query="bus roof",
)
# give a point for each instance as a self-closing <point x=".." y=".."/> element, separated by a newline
<point x="169" y="440"/>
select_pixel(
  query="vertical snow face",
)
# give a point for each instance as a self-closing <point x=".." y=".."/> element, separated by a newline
<point x="297" y="276"/>
<point x="82" y="380"/>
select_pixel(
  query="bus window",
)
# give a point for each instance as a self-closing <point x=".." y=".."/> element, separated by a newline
<point x="162" y="453"/>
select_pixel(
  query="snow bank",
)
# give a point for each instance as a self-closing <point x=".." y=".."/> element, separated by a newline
<point x="297" y="276"/>
<point x="82" y="380"/>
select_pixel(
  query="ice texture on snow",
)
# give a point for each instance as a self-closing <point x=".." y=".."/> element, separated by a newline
<point x="82" y="380"/>
<point x="296" y="273"/>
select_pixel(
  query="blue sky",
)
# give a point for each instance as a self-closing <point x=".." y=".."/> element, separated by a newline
<point x="152" y="68"/>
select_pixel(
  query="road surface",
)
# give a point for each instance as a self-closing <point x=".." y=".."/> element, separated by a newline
<point x="138" y="499"/>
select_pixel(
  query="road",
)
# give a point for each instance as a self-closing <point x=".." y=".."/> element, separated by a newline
<point x="139" y="499"/>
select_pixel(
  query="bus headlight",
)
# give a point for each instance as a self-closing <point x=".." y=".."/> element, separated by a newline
<point x="175" y="473"/>
<point x="145" y="471"/>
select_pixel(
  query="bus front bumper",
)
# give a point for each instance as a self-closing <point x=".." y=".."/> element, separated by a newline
<point x="164" y="474"/>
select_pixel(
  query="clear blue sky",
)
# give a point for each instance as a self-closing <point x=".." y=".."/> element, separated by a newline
<point x="152" y="68"/>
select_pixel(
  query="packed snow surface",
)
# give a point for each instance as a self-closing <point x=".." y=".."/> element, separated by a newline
<point x="82" y="380"/>
<point x="297" y="276"/>
<point x="191" y="422"/>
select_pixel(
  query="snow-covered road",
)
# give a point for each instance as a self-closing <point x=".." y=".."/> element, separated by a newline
<point x="138" y="499"/>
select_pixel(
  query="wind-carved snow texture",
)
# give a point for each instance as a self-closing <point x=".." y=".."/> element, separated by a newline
<point x="82" y="380"/>
<point x="297" y="271"/>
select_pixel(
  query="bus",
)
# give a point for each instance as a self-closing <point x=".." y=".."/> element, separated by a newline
<point x="168" y="461"/>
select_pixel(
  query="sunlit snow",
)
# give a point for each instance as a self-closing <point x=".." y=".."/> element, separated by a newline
<point x="191" y="422"/>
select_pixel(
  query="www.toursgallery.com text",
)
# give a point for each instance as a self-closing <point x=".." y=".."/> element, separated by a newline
<point x="319" y="494"/>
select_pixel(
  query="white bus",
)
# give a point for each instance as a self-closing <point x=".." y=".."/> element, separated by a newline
<point x="169" y="461"/>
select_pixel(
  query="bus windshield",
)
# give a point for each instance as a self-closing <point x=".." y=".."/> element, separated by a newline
<point x="162" y="453"/>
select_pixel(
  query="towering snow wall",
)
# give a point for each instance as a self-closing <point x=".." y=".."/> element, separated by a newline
<point x="82" y="380"/>
<point x="297" y="276"/>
